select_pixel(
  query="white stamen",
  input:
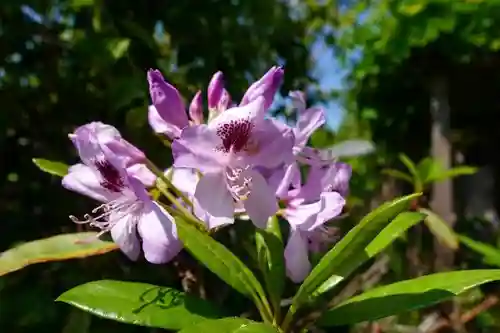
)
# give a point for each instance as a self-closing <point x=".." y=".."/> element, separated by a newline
<point x="240" y="188"/>
<point x="120" y="207"/>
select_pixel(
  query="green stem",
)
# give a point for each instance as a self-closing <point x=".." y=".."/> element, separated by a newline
<point x="285" y="325"/>
<point x="159" y="173"/>
<point x="166" y="142"/>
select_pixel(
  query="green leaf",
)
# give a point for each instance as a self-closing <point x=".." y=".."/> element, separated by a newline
<point x="349" y="253"/>
<point x="56" y="248"/>
<point x="52" y="167"/>
<point x="412" y="8"/>
<point x="454" y="172"/>
<point x="491" y="255"/>
<point x="222" y="262"/>
<point x="439" y="228"/>
<point x="229" y="325"/>
<point x="398" y="174"/>
<point x="118" y="47"/>
<point x="428" y="169"/>
<point x="405" y="296"/>
<point x="412" y="168"/>
<point x="81" y="3"/>
<point x="140" y="304"/>
<point x="395" y="228"/>
<point x="271" y="261"/>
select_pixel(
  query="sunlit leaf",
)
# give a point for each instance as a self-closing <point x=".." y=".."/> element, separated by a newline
<point x="140" y="304"/>
<point x="405" y="296"/>
<point x="454" y="172"/>
<point x="439" y="228"/>
<point x="491" y="254"/>
<point x="56" y="248"/>
<point x="398" y="175"/>
<point x="52" y="167"/>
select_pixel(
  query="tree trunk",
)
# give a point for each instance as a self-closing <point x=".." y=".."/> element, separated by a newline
<point x="441" y="149"/>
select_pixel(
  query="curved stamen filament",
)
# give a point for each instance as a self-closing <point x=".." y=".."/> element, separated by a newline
<point x="119" y="208"/>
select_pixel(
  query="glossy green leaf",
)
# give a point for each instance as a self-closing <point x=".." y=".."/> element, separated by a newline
<point x="52" y="167"/>
<point x="229" y="325"/>
<point x="271" y="261"/>
<point x="405" y="296"/>
<point x="397" y="227"/>
<point x="398" y="175"/>
<point x="412" y="168"/>
<point x="222" y="262"/>
<point x="491" y="254"/>
<point x="440" y="229"/>
<point x="454" y="172"/>
<point x="140" y="304"/>
<point x="349" y="253"/>
<point x="56" y="248"/>
<point x="428" y="169"/>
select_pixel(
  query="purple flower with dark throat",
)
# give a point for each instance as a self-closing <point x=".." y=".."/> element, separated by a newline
<point x="226" y="151"/>
<point x="127" y="212"/>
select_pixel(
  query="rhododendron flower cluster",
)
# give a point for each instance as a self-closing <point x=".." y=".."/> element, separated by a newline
<point x="230" y="162"/>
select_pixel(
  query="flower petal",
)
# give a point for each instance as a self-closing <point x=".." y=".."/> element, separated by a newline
<point x="253" y="112"/>
<point x="196" y="149"/>
<point x="261" y="203"/>
<point x="84" y="180"/>
<point x="124" y="234"/>
<point x="308" y="121"/>
<point x="296" y="257"/>
<point x="274" y="145"/>
<point x="266" y="86"/>
<point x="302" y="216"/>
<point x="167" y="100"/>
<point x="210" y="221"/>
<point x="290" y="177"/>
<point x="214" y="197"/>
<point x="141" y="172"/>
<point x="184" y="179"/>
<point x="332" y="205"/>
<point x="159" y="125"/>
<point x="160" y="242"/>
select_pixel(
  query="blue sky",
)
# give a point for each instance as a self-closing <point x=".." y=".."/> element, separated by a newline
<point x="330" y="75"/>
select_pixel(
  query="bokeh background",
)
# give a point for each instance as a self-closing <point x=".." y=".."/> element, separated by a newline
<point x="419" y="77"/>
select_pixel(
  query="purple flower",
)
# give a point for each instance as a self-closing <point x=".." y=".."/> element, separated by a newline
<point x="266" y="86"/>
<point x="307" y="209"/>
<point x="186" y="181"/>
<point x="226" y="151"/>
<point x="196" y="109"/>
<point x="215" y="90"/>
<point x="219" y="99"/>
<point x="127" y="210"/>
<point x="167" y="115"/>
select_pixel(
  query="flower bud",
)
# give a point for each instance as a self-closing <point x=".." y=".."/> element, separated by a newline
<point x="196" y="109"/>
<point x="215" y="90"/>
